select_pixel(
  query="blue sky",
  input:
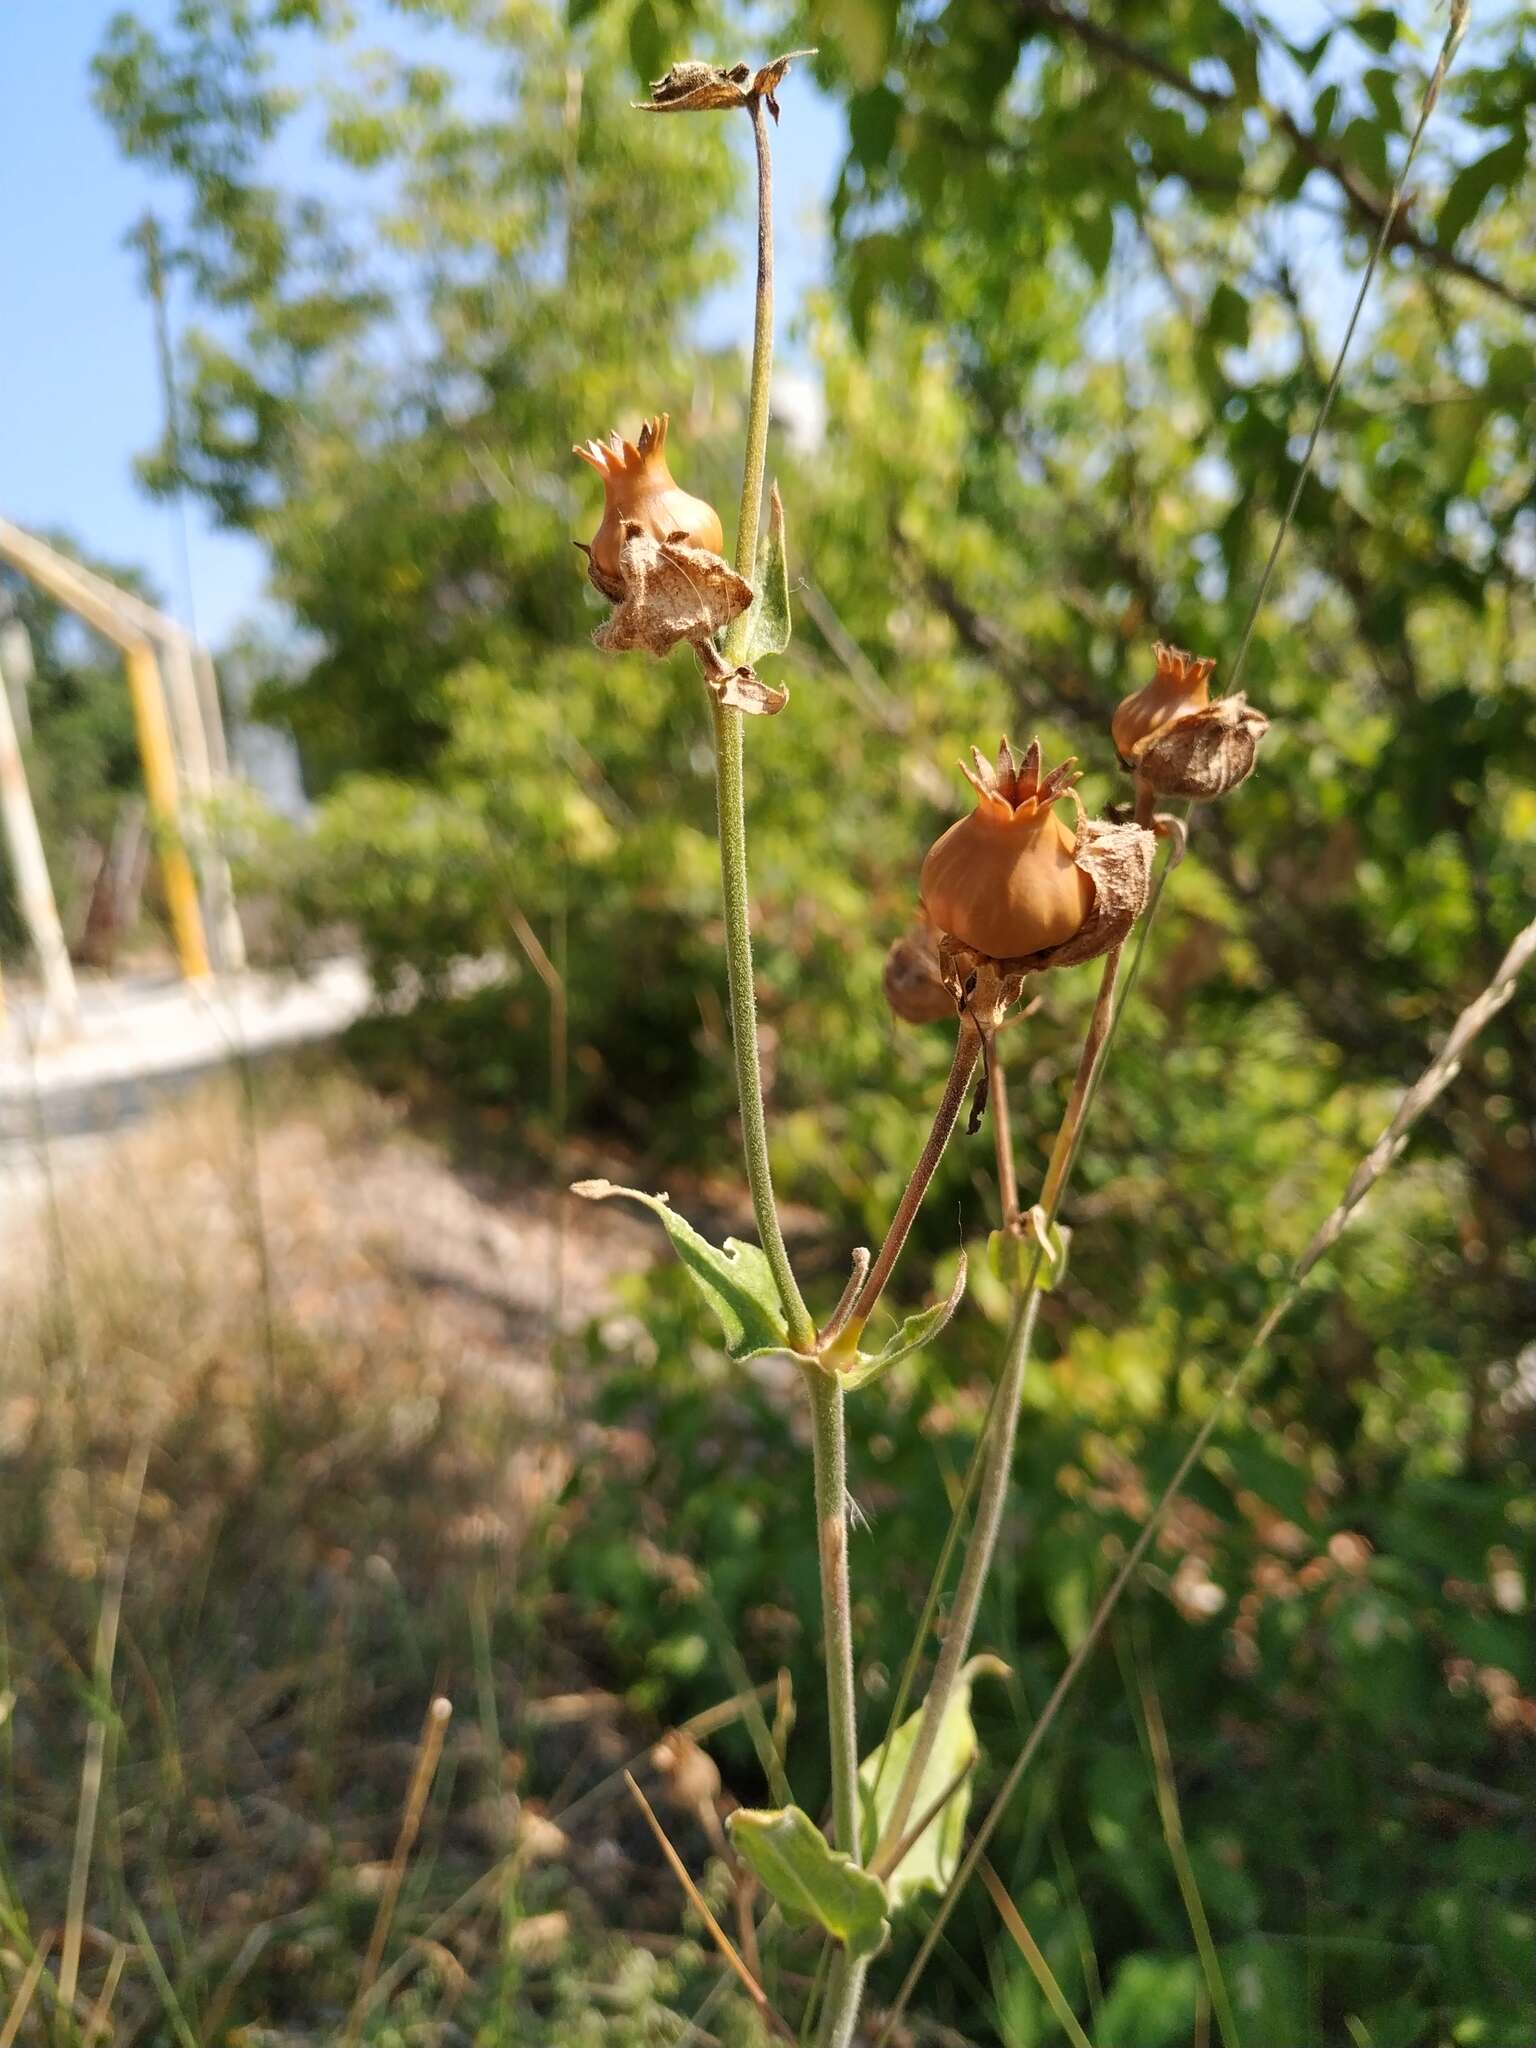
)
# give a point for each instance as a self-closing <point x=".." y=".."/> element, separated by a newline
<point x="79" y="388"/>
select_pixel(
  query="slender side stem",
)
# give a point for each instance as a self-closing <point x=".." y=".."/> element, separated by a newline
<point x="1002" y="1433"/>
<point x="967" y="1052"/>
<point x="1002" y="1131"/>
<point x="1087" y="1068"/>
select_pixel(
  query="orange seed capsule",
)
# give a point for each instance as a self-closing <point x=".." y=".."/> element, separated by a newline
<point x="638" y="487"/>
<point x="1180" y="686"/>
<point x="1004" y="880"/>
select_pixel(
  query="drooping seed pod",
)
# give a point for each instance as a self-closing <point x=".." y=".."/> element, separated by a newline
<point x="1177" y="741"/>
<point x="914" y="986"/>
<point x="640" y="490"/>
<point x="1014" y="891"/>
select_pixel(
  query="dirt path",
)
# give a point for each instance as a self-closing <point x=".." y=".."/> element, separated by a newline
<point x="373" y="1238"/>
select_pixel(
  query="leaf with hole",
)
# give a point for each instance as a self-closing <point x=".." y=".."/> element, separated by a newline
<point x="933" y="1858"/>
<point x="809" y="1878"/>
<point x="768" y="621"/>
<point x="736" y="1279"/>
<point x="916" y="1331"/>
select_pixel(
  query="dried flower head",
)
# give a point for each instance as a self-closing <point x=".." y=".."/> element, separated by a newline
<point x="639" y="489"/>
<point x="1004" y="879"/>
<point x="656" y="555"/>
<point x="694" y="87"/>
<point x="1014" y="891"/>
<point x="1178" y="742"/>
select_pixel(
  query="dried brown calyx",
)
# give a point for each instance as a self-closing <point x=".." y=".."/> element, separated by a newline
<point x="656" y="554"/>
<point x="1014" y="890"/>
<point x="1177" y="741"/>
<point x="694" y="87"/>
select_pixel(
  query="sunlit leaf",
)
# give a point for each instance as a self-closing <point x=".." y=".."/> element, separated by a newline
<point x="931" y="1861"/>
<point x="1474" y="182"/>
<point x="768" y="620"/>
<point x="810" y="1879"/>
<point x="913" y="1334"/>
<point x="735" y="1279"/>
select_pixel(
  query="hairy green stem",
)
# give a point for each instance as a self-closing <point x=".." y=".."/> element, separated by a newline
<point x="759" y="391"/>
<point x="732" y="816"/>
<point x="829" y="1446"/>
<point x="846" y="1986"/>
<point x="729" y="790"/>
<point x="1001" y="1433"/>
<point x="845" y="1994"/>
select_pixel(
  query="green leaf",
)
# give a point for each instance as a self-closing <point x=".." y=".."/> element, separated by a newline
<point x="931" y="1861"/>
<point x="913" y="1334"/>
<point x="1376" y="28"/>
<point x="1472" y="184"/>
<point x="736" y="1281"/>
<point x="1093" y="231"/>
<point x="768" y="621"/>
<point x="1012" y="1258"/>
<point x="810" y="1879"/>
<point x="1226" y="319"/>
<point x="647" y="45"/>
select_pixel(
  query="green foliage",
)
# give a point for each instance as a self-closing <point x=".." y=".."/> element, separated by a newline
<point x="811" y="1880"/>
<point x="1089" y="277"/>
<point x="934" y="1857"/>
<point x="735" y="1280"/>
<point x="912" y="1334"/>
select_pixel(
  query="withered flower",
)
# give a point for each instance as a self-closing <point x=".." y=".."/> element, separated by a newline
<point x="1177" y="741"/>
<point x="1015" y="891"/>
<point x="656" y="555"/>
<point x="694" y="87"/>
<point x="639" y="489"/>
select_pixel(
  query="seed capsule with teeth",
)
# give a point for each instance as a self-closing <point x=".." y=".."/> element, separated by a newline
<point x="639" y="489"/>
<point x="1005" y="880"/>
<point x="1178" y="742"/>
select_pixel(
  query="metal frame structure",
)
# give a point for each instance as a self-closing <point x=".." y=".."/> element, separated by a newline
<point x="192" y="729"/>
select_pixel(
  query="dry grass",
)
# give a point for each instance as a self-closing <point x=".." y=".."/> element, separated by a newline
<point x="351" y="1446"/>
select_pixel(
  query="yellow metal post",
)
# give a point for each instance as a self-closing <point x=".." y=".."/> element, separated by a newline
<point x="154" y="734"/>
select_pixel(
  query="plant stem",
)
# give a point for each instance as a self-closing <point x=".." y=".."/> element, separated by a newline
<point x="760" y="387"/>
<point x="729" y="790"/>
<point x="1002" y="1132"/>
<point x="967" y="1052"/>
<point x="732" y="816"/>
<point x="1001" y="1433"/>
<point x="845" y="1988"/>
<point x="829" y="1444"/>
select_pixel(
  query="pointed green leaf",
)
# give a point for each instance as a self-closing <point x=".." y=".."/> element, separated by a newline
<point x="913" y="1334"/>
<point x="768" y="621"/>
<point x="1012" y="1258"/>
<point x="736" y="1281"/>
<point x="931" y="1861"/>
<point x="810" y="1879"/>
<point x="1472" y="184"/>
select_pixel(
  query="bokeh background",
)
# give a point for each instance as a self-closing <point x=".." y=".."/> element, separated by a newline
<point x="319" y="1399"/>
